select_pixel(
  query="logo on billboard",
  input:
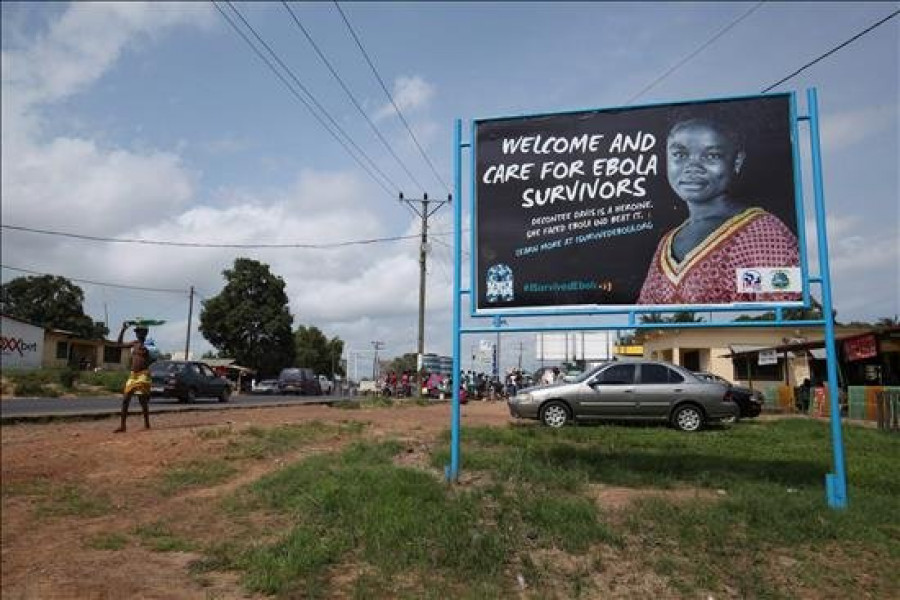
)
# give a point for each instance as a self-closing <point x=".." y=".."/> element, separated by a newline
<point x="750" y="282"/>
<point x="769" y="280"/>
<point x="499" y="284"/>
<point x="781" y="280"/>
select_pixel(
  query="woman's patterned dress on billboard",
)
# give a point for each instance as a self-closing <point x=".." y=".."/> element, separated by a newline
<point x="752" y="238"/>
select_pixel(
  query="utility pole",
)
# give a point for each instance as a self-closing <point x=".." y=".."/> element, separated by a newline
<point x="424" y="212"/>
<point x="378" y="346"/>
<point x="187" y="341"/>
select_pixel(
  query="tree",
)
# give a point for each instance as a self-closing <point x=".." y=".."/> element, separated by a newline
<point x="50" y="301"/>
<point x="399" y="364"/>
<point x="317" y="352"/>
<point x="250" y="320"/>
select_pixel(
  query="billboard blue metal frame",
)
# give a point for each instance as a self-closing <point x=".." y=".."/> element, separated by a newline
<point x="836" y="482"/>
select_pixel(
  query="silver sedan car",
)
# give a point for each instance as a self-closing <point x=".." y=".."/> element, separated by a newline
<point x="628" y="390"/>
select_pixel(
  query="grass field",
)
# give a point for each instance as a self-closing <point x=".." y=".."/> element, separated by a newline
<point x="581" y="512"/>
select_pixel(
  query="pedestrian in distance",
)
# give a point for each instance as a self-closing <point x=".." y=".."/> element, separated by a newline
<point x="138" y="383"/>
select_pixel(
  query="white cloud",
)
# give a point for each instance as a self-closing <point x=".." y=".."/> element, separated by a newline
<point x="80" y="46"/>
<point x="410" y="94"/>
<point x="842" y="130"/>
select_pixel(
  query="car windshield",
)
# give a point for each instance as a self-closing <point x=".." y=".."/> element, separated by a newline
<point x="587" y="374"/>
<point x="166" y="367"/>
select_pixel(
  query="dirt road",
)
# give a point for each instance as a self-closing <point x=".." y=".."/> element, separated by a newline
<point x="59" y="542"/>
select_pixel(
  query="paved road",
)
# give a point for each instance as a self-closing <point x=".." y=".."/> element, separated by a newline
<point x="17" y="408"/>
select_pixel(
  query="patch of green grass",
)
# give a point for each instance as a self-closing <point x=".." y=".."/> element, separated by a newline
<point x="259" y="442"/>
<point x="159" y="538"/>
<point x="71" y="500"/>
<point x="107" y="541"/>
<point x="416" y="532"/>
<point x="199" y="473"/>
<point x="111" y="381"/>
<point x="761" y="531"/>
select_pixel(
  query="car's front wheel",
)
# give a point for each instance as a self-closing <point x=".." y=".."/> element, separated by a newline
<point x="225" y="395"/>
<point x="688" y="418"/>
<point x="555" y="414"/>
<point x="189" y="396"/>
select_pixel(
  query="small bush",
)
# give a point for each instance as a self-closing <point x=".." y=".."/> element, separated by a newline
<point x="68" y="377"/>
<point x="113" y="381"/>
<point x="30" y="388"/>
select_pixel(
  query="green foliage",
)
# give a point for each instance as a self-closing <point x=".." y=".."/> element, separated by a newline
<point x="249" y="319"/>
<point x="112" y="381"/>
<point x="49" y="301"/>
<point x="407" y="362"/>
<point x="315" y="351"/>
<point x="68" y="377"/>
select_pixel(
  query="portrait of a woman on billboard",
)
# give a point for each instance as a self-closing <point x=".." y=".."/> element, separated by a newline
<point x="728" y="249"/>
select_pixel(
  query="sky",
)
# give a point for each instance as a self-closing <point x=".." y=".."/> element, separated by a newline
<point x="157" y="122"/>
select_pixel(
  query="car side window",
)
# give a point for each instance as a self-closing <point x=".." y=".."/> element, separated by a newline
<point x="651" y="374"/>
<point x="617" y="375"/>
<point x="674" y="376"/>
<point x="207" y="372"/>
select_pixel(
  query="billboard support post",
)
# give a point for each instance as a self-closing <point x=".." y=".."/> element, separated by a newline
<point x="451" y="472"/>
<point x="502" y="282"/>
<point x="835" y="483"/>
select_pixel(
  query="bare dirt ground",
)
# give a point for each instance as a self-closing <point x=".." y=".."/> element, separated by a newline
<point x="47" y="554"/>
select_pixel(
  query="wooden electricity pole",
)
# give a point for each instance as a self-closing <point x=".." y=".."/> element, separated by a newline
<point x="421" y="208"/>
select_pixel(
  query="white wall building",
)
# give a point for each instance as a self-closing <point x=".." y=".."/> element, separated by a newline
<point x="21" y="344"/>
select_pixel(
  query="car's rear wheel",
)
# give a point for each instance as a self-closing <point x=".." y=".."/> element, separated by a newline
<point x="688" y="418"/>
<point x="555" y="414"/>
<point x="189" y="396"/>
<point x="225" y="395"/>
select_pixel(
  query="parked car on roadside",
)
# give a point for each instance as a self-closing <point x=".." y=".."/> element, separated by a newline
<point x="187" y="381"/>
<point x="266" y="386"/>
<point x="326" y="384"/>
<point x="750" y="401"/>
<point x="629" y="390"/>
<point x="300" y="381"/>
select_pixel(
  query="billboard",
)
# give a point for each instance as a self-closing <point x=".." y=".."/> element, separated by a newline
<point x="687" y="204"/>
<point x="574" y="345"/>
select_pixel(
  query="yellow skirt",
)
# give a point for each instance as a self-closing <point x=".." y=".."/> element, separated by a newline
<point x="138" y="383"/>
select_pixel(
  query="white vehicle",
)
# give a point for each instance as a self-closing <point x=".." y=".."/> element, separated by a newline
<point x="326" y="384"/>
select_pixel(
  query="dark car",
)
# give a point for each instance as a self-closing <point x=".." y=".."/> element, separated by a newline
<point x="749" y="401"/>
<point x="187" y="381"/>
<point x="299" y="381"/>
<point x="628" y="390"/>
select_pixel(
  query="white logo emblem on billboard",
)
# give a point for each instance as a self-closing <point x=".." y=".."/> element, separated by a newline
<point x="499" y="284"/>
<point x="769" y="280"/>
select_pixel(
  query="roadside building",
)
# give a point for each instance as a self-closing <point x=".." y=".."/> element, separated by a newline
<point x="750" y="356"/>
<point x="21" y="344"/>
<point x="28" y="346"/>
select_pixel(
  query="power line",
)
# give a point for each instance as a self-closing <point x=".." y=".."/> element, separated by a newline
<point x="96" y="238"/>
<point x="309" y="107"/>
<point x="350" y="95"/>
<point x="311" y="96"/>
<point x="112" y="285"/>
<point x="833" y="50"/>
<point x="699" y="49"/>
<point x="390" y="97"/>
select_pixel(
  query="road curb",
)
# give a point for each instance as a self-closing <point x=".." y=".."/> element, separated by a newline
<point x="95" y="415"/>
